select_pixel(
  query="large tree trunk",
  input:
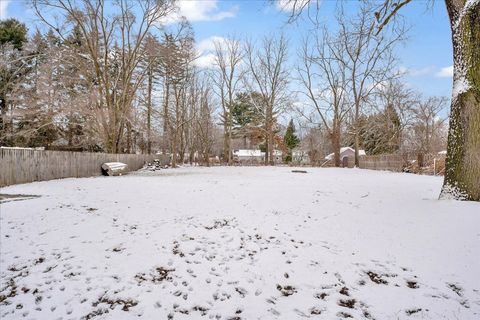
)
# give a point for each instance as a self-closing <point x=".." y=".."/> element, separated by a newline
<point x="357" y="134"/>
<point x="149" y="109"/>
<point x="166" y="120"/>
<point x="270" y="134"/>
<point x="129" y="138"/>
<point x="174" y="150"/>
<point x="335" y="139"/>
<point x="462" y="168"/>
<point x="226" y="141"/>
<point x="357" y="150"/>
<point x="3" y="117"/>
<point x="271" y="146"/>
<point x="230" y="121"/>
<point x="265" y="160"/>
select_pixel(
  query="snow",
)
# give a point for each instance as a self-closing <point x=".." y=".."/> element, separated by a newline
<point x="246" y="242"/>
<point x="460" y="85"/>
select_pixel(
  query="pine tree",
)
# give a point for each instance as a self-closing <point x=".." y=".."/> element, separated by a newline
<point x="246" y="116"/>
<point x="13" y="32"/>
<point x="13" y="36"/>
<point x="291" y="140"/>
<point x="380" y="132"/>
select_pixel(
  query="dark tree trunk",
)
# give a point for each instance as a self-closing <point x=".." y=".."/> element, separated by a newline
<point x="3" y="117"/>
<point x="357" y="133"/>
<point x="149" y="110"/>
<point x="462" y="167"/>
<point x="166" y="120"/>
<point x="357" y="149"/>
<point x="266" y="149"/>
<point x="335" y="139"/>
<point x="226" y="141"/>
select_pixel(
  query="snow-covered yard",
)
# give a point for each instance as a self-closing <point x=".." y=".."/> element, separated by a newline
<point x="239" y="243"/>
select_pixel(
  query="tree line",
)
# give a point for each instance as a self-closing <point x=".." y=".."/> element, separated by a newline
<point x="121" y="79"/>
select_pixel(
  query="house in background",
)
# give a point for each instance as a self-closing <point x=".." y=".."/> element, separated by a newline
<point x="255" y="156"/>
<point x="300" y="157"/>
<point x="345" y="154"/>
<point x="248" y="155"/>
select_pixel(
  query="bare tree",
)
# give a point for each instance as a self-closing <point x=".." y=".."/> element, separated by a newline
<point x="114" y="42"/>
<point x="151" y="62"/>
<point x="323" y="74"/>
<point x="370" y="58"/>
<point x="227" y="76"/>
<point x="269" y="76"/>
<point x="204" y="126"/>
<point x="462" y="171"/>
<point x="179" y="75"/>
<point x="428" y="125"/>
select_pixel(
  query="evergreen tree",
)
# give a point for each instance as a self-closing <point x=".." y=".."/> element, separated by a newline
<point x="13" y="35"/>
<point x="13" y="32"/>
<point x="380" y="133"/>
<point x="246" y="116"/>
<point x="290" y="140"/>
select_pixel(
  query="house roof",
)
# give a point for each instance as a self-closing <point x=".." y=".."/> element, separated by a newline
<point x="345" y="149"/>
<point x="248" y="153"/>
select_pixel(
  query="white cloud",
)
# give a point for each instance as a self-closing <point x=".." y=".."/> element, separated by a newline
<point x="3" y="8"/>
<point x="445" y="72"/>
<point x="205" y="50"/>
<point x="427" y="71"/>
<point x="201" y="10"/>
<point x="208" y="44"/>
<point x="289" y="5"/>
<point x="421" y="71"/>
<point x="206" y="61"/>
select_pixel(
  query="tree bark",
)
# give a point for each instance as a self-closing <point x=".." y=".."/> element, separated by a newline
<point x="149" y="109"/>
<point x="266" y="148"/>
<point x="166" y="119"/>
<point x="270" y="133"/>
<point x="335" y="138"/>
<point x="226" y="140"/>
<point x="357" y="149"/>
<point x="357" y="132"/>
<point x="462" y="168"/>
<point x="271" y="147"/>
<point x="230" y="122"/>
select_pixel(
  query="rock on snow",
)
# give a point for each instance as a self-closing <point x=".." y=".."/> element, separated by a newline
<point x="240" y="243"/>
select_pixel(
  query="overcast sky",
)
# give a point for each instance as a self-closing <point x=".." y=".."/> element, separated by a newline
<point x="427" y="56"/>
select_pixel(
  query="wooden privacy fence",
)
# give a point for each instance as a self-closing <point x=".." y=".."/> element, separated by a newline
<point x="26" y="165"/>
<point x="391" y="162"/>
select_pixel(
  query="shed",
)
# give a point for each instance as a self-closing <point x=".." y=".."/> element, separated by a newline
<point x="346" y="152"/>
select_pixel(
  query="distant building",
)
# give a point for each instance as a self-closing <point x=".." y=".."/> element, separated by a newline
<point x="248" y="155"/>
<point x="253" y="155"/>
<point x="345" y="153"/>
<point x="300" y="156"/>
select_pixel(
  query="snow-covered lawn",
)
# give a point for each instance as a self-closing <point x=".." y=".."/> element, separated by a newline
<point x="239" y="243"/>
